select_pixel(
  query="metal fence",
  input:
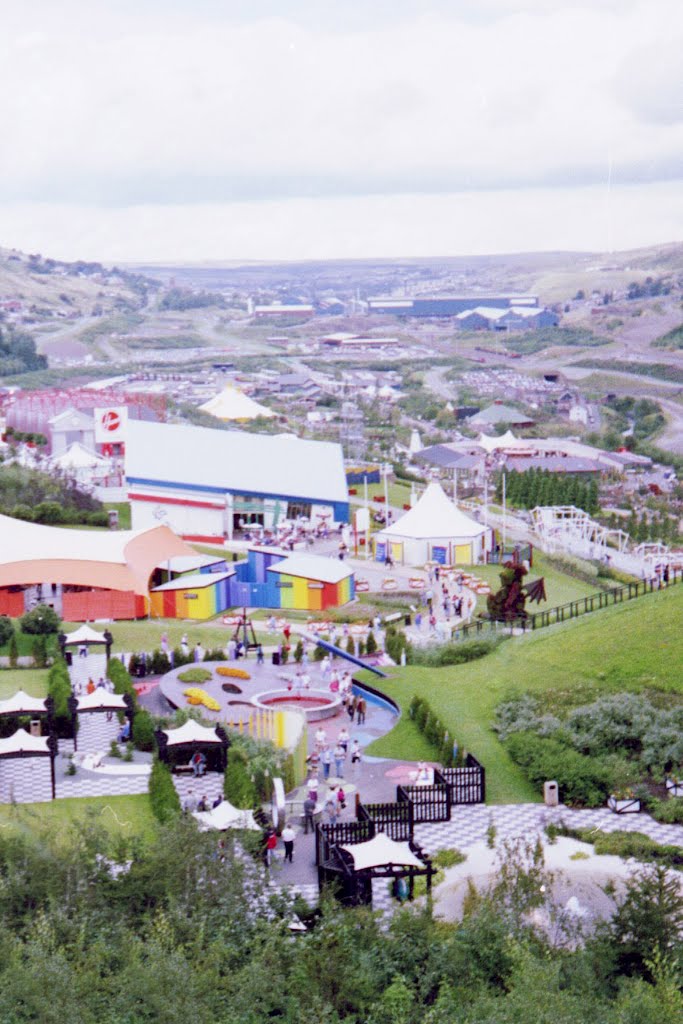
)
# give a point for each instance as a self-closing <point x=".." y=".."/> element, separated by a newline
<point x="429" y="803"/>
<point x="468" y="784"/>
<point x="394" y="819"/>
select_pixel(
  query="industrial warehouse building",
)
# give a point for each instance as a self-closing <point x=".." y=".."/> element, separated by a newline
<point x="448" y="306"/>
<point x="206" y="484"/>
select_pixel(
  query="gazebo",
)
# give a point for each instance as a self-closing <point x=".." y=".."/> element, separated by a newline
<point x="353" y="865"/>
<point x="177" y="746"/>
<point x="21" y="705"/>
<point x="225" y="816"/>
<point x="27" y="768"/>
<point x="94" y="734"/>
<point x="85" y="636"/>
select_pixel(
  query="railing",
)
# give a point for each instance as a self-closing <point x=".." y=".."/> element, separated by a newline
<point x="468" y="784"/>
<point x="394" y="819"/>
<point x="571" y="610"/>
<point x="344" y="832"/>
<point x="429" y="803"/>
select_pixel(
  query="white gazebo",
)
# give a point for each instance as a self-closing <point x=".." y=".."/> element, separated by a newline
<point x="178" y="746"/>
<point x="22" y="703"/>
<point x="225" y="816"/>
<point x="26" y="768"/>
<point x="382" y="852"/>
<point x="435" y="529"/>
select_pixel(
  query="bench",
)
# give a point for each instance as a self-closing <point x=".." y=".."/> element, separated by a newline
<point x="182" y="769"/>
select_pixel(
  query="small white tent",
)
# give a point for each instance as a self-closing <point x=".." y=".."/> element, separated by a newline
<point x="232" y="404"/>
<point x="434" y="530"/>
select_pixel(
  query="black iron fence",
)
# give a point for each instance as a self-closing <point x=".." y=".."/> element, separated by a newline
<point x="345" y="832"/>
<point x="429" y="803"/>
<point x="571" y="610"/>
<point x="468" y="784"/>
<point x="394" y="819"/>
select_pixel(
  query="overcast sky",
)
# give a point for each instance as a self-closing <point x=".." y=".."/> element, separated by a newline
<point x="173" y="130"/>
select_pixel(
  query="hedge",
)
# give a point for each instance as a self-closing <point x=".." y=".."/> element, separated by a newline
<point x="59" y="688"/>
<point x="454" y="653"/>
<point x="163" y="797"/>
<point x="143" y="731"/>
<point x="120" y="677"/>
<point x="238" y="785"/>
<point x="582" y="780"/>
<point x="433" y="729"/>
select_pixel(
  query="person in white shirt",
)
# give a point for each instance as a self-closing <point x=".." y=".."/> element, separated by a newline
<point x="320" y="738"/>
<point x="288" y="837"/>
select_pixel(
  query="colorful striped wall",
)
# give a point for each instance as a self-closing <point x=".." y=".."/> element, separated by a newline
<point x="193" y="603"/>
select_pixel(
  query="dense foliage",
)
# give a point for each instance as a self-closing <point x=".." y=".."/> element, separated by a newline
<point x="460" y="653"/>
<point x="163" y="796"/>
<point x="190" y="931"/>
<point x="40" y="621"/>
<point x="541" y="487"/>
<point x="40" y="497"/>
<point x="59" y="688"/>
<point x="615" y="742"/>
<point x="434" y="731"/>
<point x="18" y="352"/>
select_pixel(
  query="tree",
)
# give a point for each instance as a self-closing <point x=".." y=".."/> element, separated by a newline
<point x="647" y="925"/>
<point x="41" y="620"/>
<point x="6" y="629"/>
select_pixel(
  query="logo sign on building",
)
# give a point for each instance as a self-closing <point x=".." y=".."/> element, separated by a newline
<point x="110" y="424"/>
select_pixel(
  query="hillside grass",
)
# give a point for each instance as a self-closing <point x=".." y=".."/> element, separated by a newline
<point x="125" y="816"/>
<point x="636" y="646"/>
<point x="31" y="680"/>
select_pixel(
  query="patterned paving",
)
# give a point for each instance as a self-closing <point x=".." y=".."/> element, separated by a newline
<point x="208" y="785"/>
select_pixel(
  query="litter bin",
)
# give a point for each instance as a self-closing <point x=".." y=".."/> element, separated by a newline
<point x="68" y="657"/>
<point x="276" y="657"/>
<point x="551" y="794"/>
<point x="35" y="727"/>
<point x="407" y="620"/>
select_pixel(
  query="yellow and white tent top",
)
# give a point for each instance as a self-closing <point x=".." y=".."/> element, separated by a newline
<point x="434" y="515"/>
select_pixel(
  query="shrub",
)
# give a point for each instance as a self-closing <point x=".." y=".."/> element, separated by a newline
<point x="98" y="518"/>
<point x="162" y="793"/>
<point x="143" y="731"/>
<point x="454" y="653"/>
<point x="6" y="629"/>
<point x="448" y="858"/>
<point x="13" y="651"/>
<point x="298" y="652"/>
<point x="120" y="677"/>
<point x="669" y="812"/>
<point x="49" y="512"/>
<point x="371" y="643"/>
<point x="238" y="784"/>
<point x="180" y="657"/>
<point x="159" y="663"/>
<point x="350" y="646"/>
<point x="582" y="780"/>
<point x="24" y="512"/>
<point x="195" y="675"/>
<point x="41" y="620"/>
<point x="39" y="651"/>
<point x="59" y="688"/>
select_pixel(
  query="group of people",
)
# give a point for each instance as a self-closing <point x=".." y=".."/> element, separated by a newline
<point x="190" y="803"/>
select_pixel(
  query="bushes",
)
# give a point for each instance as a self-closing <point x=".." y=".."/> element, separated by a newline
<point x="669" y="812"/>
<point x="6" y="629"/>
<point x="433" y="730"/>
<point x="163" y="797"/>
<point x="371" y="644"/>
<point x="454" y="654"/>
<point x="143" y="731"/>
<point x="40" y="621"/>
<point x="119" y="676"/>
<point x="582" y="780"/>
<point x="238" y="785"/>
<point x="395" y="643"/>
<point x="39" y="652"/>
<point x="59" y="688"/>
<point x="159" y="663"/>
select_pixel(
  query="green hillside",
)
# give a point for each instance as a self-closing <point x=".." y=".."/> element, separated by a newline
<point x="634" y="646"/>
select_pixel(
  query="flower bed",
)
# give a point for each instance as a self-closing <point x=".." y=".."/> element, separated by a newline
<point x="197" y="696"/>
<point x="623" y="805"/>
<point x="233" y="673"/>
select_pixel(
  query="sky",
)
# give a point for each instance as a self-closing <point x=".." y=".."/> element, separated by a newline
<point x="191" y="130"/>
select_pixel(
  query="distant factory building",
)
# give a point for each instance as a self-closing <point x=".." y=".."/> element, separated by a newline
<point x="342" y="339"/>
<point x="284" y="309"/>
<point x="449" y="306"/>
<point x="517" y="318"/>
<point x="206" y="484"/>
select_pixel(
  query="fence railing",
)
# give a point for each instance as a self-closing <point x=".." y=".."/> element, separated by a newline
<point x="394" y="819"/>
<point x="468" y="784"/>
<point x="344" y="832"/>
<point x="429" y="803"/>
<point x="571" y="610"/>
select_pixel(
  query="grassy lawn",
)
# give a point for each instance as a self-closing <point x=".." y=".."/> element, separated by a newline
<point x="633" y="646"/>
<point x="123" y="509"/>
<point x="32" y="680"/>
<point x="119" y="815"/>
<point x="559" y="587"/>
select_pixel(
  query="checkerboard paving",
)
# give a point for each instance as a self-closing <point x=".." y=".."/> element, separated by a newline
<point x="210" y="785"/>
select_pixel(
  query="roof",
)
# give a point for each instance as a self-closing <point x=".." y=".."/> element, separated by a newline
<point x="226" y="816"/>
<point x="232" y="404"/>
<point x="84" y="635"/>
<point x="234" y="461"/>
<point x="197" y="581"/>
<point x="501" y="413"/>
<point x="381" y="851"/>
<point x="188" y="563"/>
<point x="434" y="515"/>
<point x="73" y="419"/>
<point x="101" y="700"/>
<point x="22" y="703"/>
<point x="487" y="312"/>
<point x="23" y="743"/>
<point x="313" y="567"/>
<point x="77" y="456"/>
<point x="553" y="464"/>
<point x="505" y="442"/>
<point x="110" y="559"/>
<point x="192" y="732"/>
<point x="447" y="458"/>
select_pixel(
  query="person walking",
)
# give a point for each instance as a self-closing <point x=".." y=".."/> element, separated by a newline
<point x="326" y="761"/>
<point x="271" y="846"/>
<point x="331" y="806"/>
<point x="288" y="837"/>
<point x="355" y="753"/>
<point x="309" y="810"/>
<point x="339" y="758"/>
<point x="343" y="739"/>
<point x="361" y="708"/>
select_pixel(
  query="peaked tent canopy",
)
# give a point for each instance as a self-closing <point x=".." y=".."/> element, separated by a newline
<point x="381" y="851"/>
<point x="21" y="742"/>
<point x="231" y="404"/>
<point x="434" y="530"/>
<point x="77" y="456"/>
<point x="22" y="704"/>
<point x="84" y="635"/>
<point x="226" y="816"/>
<point x="507" y="442"/>
<point x="191" y="732"/>
<point x="101" y="700"/>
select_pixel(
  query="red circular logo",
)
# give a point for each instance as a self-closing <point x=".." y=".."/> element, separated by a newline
<point x="111" y="421"/>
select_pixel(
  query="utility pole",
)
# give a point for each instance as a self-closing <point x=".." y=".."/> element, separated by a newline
<point x="505" y="533"/>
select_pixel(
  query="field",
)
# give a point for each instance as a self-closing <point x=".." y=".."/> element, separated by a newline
<point x="120" y="815"/>
<point x="634" y="646"/>
<point x="31" y="680"/>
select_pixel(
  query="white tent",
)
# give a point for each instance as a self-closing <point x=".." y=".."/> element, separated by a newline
<point x="77" y="456"/>
<point x="101" y="700"/>
<point x="22" y="704"/>
<point x="434" y="530"/>
<point x="191" y="732"/>
<point x="84" y="635"/>
<point x="226" y="816"/>
<point x="381" y="851"/>
<point x="505" y="443"/>
<point x="23" y="743"/>
<point x="231" y="404"/>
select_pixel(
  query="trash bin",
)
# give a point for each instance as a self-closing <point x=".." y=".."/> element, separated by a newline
<point x="407" y="620"/>
<point x="35" y="727"/>
<point x="276" y="657"/>
<point x="69" y="658"/>
<point x="551" y="794"/>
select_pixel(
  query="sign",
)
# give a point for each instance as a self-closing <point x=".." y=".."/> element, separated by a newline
<point x="190" y="597"/>
<point x="362" y="519"/>
<point x="110" y="424"/>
